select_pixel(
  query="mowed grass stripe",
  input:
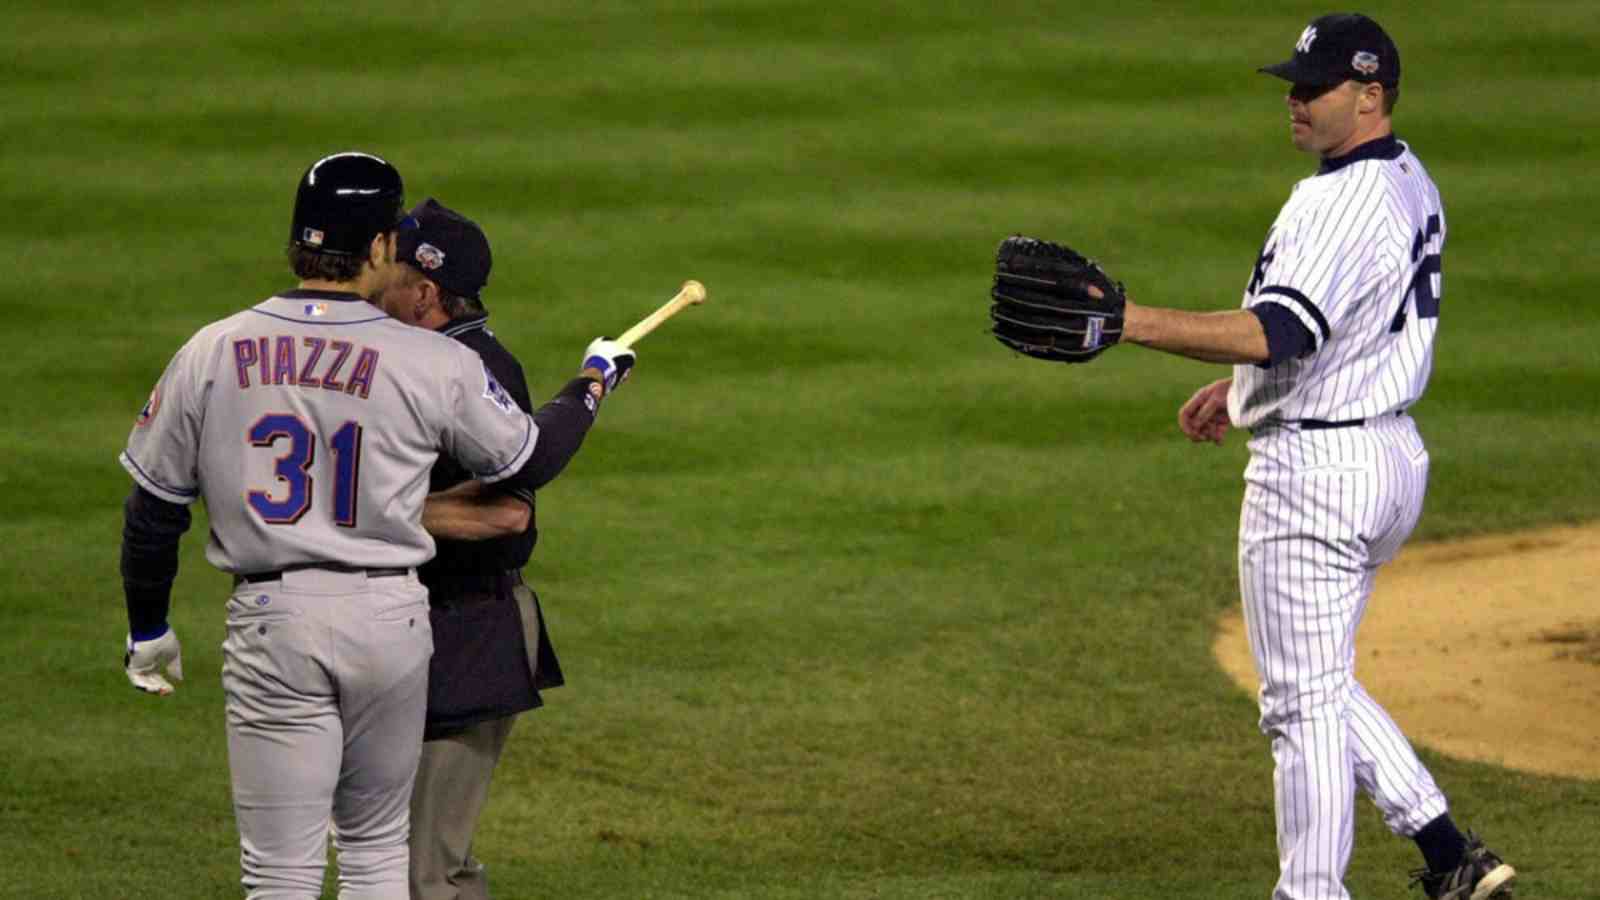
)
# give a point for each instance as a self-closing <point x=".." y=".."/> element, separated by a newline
<point x="852" y="602"/>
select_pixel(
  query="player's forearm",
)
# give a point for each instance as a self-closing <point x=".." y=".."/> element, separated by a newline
<point x="563" y="422"/>
<point x="151" y="530"/>
<point x="468" y="512"/>
<point x="1234" y="337"/>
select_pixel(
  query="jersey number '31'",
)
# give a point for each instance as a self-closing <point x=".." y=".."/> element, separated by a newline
<point x="294" y="469"/>
<point x="1427" y="283"/>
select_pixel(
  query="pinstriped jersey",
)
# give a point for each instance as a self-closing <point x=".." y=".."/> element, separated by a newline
<point x="309" y="424"/>
<point x="1355" y="256"/>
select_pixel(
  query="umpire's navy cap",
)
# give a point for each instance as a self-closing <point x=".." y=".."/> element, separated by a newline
<point x="447" y="247"/>
<point x="1341" y="47"/>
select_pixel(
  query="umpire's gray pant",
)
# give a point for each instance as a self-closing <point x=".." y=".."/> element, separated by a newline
<point x="451" y="788"/>
<point x="326" y="677"/>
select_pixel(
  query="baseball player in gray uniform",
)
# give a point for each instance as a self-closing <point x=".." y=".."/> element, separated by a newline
<point x="308" y="424"/>
<point x="1334" y="343"/>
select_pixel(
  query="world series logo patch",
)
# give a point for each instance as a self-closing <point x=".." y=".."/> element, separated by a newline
<point x="494" y="393"/>
<point x="151" y="407"/>
<point x="429" y="257"/>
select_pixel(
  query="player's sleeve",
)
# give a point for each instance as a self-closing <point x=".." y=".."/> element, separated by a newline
<point x="484" y="430"/>
<point x="515" y="382"/>
<point x="151" y="530"/>
<point x="163" y="451"/>
<point x="1287" y="336"/>
<point x="563" y="423"/>
<point x="1291" y="281"/>
<point x="1313" y="263"/>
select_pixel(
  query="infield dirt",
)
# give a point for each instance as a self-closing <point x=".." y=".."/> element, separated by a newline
<point x="1484" y="648"/>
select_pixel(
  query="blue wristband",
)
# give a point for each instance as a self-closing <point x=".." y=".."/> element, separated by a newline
<point x="147" y="635"/>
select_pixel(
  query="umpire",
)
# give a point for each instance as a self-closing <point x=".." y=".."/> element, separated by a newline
<point x="492" y="655"/>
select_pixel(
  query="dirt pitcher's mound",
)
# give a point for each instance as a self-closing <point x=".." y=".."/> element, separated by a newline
<point x="1486" y="648"/>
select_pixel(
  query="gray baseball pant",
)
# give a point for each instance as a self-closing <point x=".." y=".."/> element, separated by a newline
<point x="326" y="680"/>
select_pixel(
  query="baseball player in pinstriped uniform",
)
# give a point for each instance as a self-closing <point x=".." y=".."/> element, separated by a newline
<point x="1334" y="343"/>
<point x="308" y="423"/>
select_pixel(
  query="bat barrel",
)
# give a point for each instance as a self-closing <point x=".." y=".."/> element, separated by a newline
<point x="691" y="294"/>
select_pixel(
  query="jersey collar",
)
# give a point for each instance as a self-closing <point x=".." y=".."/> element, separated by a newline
<point x="464" y="324"/>
<point x="320" y="307"/>
<point x="1386" y="147"/>
<point x="304" y="294"/>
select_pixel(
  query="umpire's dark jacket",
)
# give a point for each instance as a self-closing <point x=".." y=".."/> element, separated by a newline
<point x="491" y="652"/>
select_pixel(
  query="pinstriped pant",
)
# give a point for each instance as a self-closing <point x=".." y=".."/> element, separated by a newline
<point x="1322" y="511"/>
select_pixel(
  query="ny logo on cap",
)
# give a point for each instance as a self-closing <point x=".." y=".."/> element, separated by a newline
<point x="1306" y="38"/>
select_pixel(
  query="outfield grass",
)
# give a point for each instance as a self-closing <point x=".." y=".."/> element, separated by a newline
<point x="851" y="602"/>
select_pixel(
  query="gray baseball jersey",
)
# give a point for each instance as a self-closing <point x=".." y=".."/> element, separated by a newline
<point x="310" y="422"/>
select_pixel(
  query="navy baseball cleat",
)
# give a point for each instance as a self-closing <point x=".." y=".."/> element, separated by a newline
<point x="1481" y="876"/>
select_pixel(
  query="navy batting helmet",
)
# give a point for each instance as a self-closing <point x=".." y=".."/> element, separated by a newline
<point x="344" y="201"/>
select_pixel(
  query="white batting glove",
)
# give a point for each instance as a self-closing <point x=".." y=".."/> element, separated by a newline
<point x="145" y="659"/>
<point x="614" y="361"/>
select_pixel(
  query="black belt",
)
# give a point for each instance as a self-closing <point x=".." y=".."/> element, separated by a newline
<point x="277" y="575"/>
<point x="447" y="584"/>
<point x="456" y="590"/>
<point x="1324" y="424"/>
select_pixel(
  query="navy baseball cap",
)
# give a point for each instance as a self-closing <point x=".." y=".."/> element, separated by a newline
<point x="1341" y="47"/>
<point x="447" y="247"/>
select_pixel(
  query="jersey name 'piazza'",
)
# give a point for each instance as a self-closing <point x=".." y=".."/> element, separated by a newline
<point x="276" y="361"/>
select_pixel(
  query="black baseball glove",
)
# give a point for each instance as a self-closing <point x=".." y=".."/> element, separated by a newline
<point x="1051" y="302"/>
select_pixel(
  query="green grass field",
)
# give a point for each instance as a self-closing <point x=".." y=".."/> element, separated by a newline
<point x="852" y="603"/>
